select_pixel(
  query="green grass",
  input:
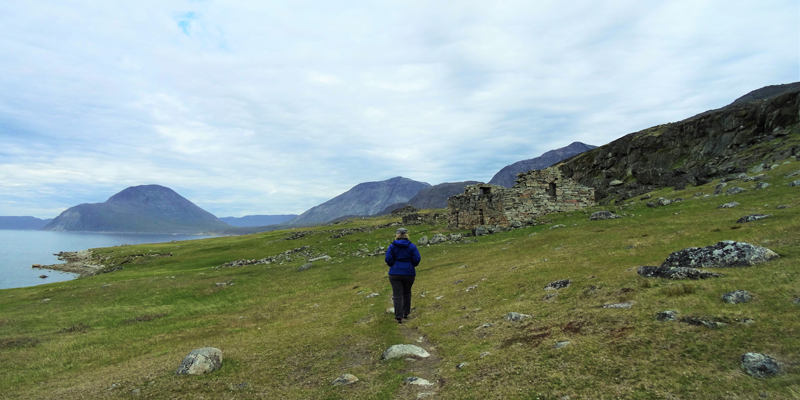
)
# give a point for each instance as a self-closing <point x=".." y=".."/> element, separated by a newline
<point x="288" y="334"/>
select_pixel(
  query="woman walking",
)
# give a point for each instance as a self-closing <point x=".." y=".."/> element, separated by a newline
<point x="402" y="257"/>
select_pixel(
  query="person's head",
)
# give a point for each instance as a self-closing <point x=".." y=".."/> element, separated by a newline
<point x="401" y="233"/>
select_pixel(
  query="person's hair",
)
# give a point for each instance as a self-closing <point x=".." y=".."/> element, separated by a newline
<point x="402" y="236"/>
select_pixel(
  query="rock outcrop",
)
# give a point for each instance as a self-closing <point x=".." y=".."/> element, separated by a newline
<point x="760" y="365"/>
<point x="724" y="254"/>
<point x="675" y="273"/>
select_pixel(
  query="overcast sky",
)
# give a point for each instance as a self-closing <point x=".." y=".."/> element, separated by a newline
<point x="254" y="107"/>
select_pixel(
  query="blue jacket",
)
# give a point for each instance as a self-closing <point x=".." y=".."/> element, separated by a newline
<point x="402" y="256"/>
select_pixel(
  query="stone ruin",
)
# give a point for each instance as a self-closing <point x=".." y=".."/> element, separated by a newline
<point x="535" y="193"/>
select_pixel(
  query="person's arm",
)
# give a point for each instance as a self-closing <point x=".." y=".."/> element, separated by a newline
<point x="415" y="257"/>
<point x="389" y="256"/>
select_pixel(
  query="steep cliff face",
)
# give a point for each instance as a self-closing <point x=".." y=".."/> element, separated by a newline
<point x="696" y="150"/>
<point x="508" y="175"/>
<point x="367" y="198"/>
<point x="147" y="209"/>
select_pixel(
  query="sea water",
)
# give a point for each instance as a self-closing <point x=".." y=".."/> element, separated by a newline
<point x="21" y="249"/>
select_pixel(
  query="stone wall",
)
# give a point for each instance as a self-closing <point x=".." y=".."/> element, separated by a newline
<point x="535" y="193"/>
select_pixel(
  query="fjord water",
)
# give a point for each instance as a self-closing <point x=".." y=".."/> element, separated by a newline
<point x="20" y="249"/>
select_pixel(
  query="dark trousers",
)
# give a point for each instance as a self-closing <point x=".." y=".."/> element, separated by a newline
<point x="401" y="294"/>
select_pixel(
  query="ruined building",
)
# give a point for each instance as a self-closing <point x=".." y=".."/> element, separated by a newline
<point x="535" y="193"/>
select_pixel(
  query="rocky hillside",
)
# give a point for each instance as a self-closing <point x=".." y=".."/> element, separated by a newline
<point x="759" y="127"/>
<point x="146" y="209"/>
<point x="23" y="223"/>
<point x="508" y="175"/>
<point x="367" y="198"/>
<point x="257" y="220"/>
<point x="432" y="197"/>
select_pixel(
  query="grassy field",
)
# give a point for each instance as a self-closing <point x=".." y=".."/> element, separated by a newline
<point x="287" y="334"/>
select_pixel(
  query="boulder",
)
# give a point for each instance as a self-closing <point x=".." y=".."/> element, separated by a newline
<point x="792" y="174"/>
<point x="645" y="197"/>
<point x="201" y="361"/>
<point x="726" y="253"/>
<point x="423" y="241"/>
<point x="455" y="236"/>
<point x="663" y="201"/>
<point x="762" y="185"/>
<point x="752" y="217"/>
<point x="729" y="205"/>
<point x="668" y="315"/>
<point x="601" y="215"/>
<point x="675" y="273"/>
<point x="555" y="285"/>
<point x="413" y="380"/>
<point x="516" y="224"/>
<point x="305" y="266"/>
<point x="795" y="183"/>
<point x="404" y="350"/>
<point x="515" y="316"/>
<point x="344" y="379"/>
<point x="438" y="238"/>
<point x="737" y="296"/>
<point x="760" y="365"/>
<point x="734" y="190"/>
<point x="480" y="230"/>
<point x="718" y="188"/>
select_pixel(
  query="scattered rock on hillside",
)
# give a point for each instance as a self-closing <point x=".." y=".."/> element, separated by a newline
<point x="615" y="182"/>
<point x="515" y="316"/>
<point x="795" y="183"/>
<point x="791" y="174"/>
<point x="645" y="197"/>
<point x="559" y="345"/>
<point x="668" y="315"/>
<point x="438" y="238"/>
<point x="462" y="365"/>
<point x="561" y="284"/>
<point x="480" y="230"/>
<point x="782" y="206"/>
<point x="734" y="190"/>
<point x="201" y="361"/>
<point x="760" y="365"/>
<point x="550" y="296"/>
<point x="344" y="379"/>
<point x="718" y="188"/>
<point x="455" y="236"/>
<point x="727" y="253"/>
<point x="305" y="267"/>
<point x="708" y="322"/>
<point x="601" y="215"/>
<point x="404" y="350"/>
<point x="628" y="304"/>
<point x="372" y="295"/>
<point x="797" y="301"/>
<point x="390" y="310"/>
<point x="752" y="217"/>
<point x="729" y="205"/>
<point x="413" y="380"/>
<point x="662" y="201"/>
<point x="675" y="273"/>
<point x="558" y="226"/>
<point x="737" y="296"/>
<point x="762" y="185"/>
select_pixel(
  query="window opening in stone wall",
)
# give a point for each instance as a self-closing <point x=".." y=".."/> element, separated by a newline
<point x="480" y="212"/>
<point x="551" y="189"/>
<point x="485" y="190"/>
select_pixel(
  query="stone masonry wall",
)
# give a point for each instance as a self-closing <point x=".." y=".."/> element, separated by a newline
<point x="535" y="193"/>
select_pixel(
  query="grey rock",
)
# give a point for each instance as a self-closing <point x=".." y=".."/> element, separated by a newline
<point x="516" y="224"/>
<point x="727" y="253"/>
<point x="628" y="304"/>
<point x="372" y="295"/>
<point x="455" y="236"/>
<point x="650" y="204"/>
<point x="795" y="183"/>
<point x="729" y="205"/>
<point x="558" y="226"/>
<point x="782" y="206"/>
<point x="136" y="391"/>
<point x="473" y="287"/>
<point x="601" y="215"/>
<point x="515" y="316"/>
<point x="320" y="258"/>
<point x="708" y="322"/>
<point x="645" y="197"/>
<point x="305" y="267"/>
<point x="752" y="217"/>
<point x="797" y="301"/>
<point x="344" y="379"/>
<point x="413" y="380"/>
<point x="737" y="296"/>
<point x="480" y="230"/>
<point x="201" y="361"/>
<point x="735" y="190"/>
<point x="390" y="310"/>
<point x="791" y="174"/>
<point x="676" y="273"/>
<point x="560" y="284"/>
<point x="484" y="354"/>
<point x="718" y="188"/>
<point x="760" y="365"/>
<point x="668" y="315"/>
<point x="423" y="241"/>
<point x="762" y="185"/>
<point x="425" y="395"/>
<point x="663" y="201"/>
<point x="404" y="350"/>
<point x="758" y="178"/>
<point x="462" y="365"/>
<point x="45" y="300"/>
<point x="698" y="194"/>
<point x="486" y="325"/>
<point x="559" y="345"/>
<point x="615" y="182"/>
<point x="678" y="199"/>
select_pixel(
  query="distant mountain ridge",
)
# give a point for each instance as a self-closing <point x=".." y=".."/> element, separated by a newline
<point x="432" y="197"/>
<point x="368" y="198"/>
<point x="23" y="223"/>
<point x="508" y="175"/>
<point x="144" y="209"/>
<point x="257" y="220"/>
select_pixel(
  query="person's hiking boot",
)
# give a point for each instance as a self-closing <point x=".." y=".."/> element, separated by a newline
<point x="399" y="320"/>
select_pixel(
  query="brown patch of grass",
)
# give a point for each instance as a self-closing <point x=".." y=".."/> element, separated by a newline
<point x="679" y="290"/>
<point x="18" y="342"/>
<point x="145" y="318"/>
<point x="79" y="328"/>
<point x="573" y="326"/>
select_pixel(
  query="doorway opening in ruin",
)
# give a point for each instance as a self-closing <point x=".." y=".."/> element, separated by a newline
<point x="551" y="189"/>
<point x="480" y="213"/>
<point x="485" y="190"/>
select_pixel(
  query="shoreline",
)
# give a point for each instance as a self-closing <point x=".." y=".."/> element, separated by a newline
<point x="77" y="262"/>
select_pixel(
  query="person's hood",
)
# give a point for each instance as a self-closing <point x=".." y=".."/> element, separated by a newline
<point x="401" y="243"/>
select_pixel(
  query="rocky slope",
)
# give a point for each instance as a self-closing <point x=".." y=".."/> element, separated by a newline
<point x="508" y="175"/>
<point x="367" y="198"/>
<point x="23" y="223"/>
<point x="146" y="209"/>
<point x="759" y="127"/>
<point x="257" y="220"/>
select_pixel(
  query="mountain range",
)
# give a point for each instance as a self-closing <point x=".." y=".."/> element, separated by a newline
<point x="23" y="223"/>
<point x="508" y="175"/>
<point x="257" y="220"/>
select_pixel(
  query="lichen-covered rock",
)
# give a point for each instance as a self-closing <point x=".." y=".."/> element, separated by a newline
<point x="760" y="365"/>
<point x="515" y="316"/>
<point x="438" y="238"/>
<point x="668" y="315"/>
<point x="455" y="236"/>
<point x="675" y="273"/>
<point x="601" y="215"/>
<point x="423" y="241"/>
<point x="737" y="296"/>
<point x="662" y="201"/>
<point x="404" y="350"/>
<point x="727" y="253"/>
<point x="560" y="284"/>
<point x="734" y="190"/>
<point x="729" y="205"/>
<point x="795" y="183"/>
<point x="201" y="361"/>
<point x="344" y="379"/>
<point x="752" y="217"/>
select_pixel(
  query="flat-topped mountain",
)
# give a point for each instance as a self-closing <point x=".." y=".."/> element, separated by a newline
<point x="508" y="175"/>
<point x="368" y="198"/>
<point x="146" y="209"/>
